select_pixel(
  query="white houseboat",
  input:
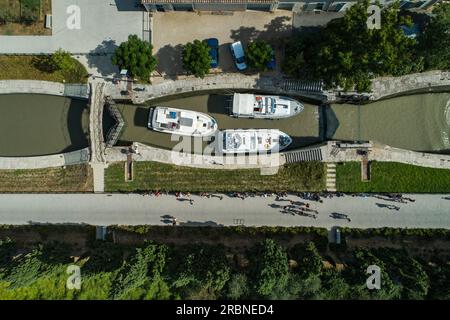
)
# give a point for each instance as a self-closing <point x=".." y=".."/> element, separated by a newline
<point x="253" y="140"/>
<point x="264" y="106"/>
<point x="181" y="122"/>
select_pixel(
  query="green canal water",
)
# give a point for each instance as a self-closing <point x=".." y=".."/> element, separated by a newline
<point x="304" y="128"/>
<point x="35" y="124"/>
<point x="419" y="122"/>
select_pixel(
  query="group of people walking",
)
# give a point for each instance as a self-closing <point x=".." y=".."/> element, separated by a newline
<point x="300" y="208"/>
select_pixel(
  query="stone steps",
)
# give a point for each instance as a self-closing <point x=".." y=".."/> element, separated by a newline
<point x="331" y="177"/>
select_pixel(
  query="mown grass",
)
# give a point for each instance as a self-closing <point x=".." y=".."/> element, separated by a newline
<point x="308" y="176"/>
<point x="32" y="68"/>
<point x="76" y="178"/>
<point x="392" y="177"/>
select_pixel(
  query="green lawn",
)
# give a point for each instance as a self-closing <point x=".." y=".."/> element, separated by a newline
<point x="33" y="68"/>
<point x="308" y="176"/>
<point x="392" y="177"/>
<point x="76" y="178"/>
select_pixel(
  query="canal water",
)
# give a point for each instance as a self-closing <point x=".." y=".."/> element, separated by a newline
<point x="35" y="125"/>
<point x="419" y="122"/>
<point x="303" y="128"/>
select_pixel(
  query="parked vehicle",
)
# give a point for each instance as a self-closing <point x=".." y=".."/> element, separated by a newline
<point x="237" y="51"/>
<point x="213" y="45"/>
<point x="272" y="63"/>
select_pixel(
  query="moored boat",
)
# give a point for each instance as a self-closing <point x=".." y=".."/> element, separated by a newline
<point x="181" y="122"/>
<point x="264" y="106"/>
<point x="253" y="140"/>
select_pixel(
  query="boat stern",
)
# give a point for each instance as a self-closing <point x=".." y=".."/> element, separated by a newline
<point x="150" y="118"/>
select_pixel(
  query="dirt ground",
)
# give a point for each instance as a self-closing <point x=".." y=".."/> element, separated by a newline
<point x="168" y="34"/>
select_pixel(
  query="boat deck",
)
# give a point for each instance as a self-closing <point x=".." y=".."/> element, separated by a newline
<point x="302" y="128"/>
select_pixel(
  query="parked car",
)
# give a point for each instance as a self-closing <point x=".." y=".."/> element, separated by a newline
<point x="213" y="45"/>
<point x="272" y="63"/>
<point x="237" y="51"/>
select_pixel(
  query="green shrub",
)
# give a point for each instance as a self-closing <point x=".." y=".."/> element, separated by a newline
<point x="196" y="58"/>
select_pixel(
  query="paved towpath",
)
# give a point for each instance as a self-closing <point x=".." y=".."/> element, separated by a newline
<point x="428" y="211"/>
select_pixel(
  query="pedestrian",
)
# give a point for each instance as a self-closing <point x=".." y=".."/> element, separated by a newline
<point x="191" y="201"/>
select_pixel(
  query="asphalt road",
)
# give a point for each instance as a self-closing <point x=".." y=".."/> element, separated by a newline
<point x="428" y="211"/>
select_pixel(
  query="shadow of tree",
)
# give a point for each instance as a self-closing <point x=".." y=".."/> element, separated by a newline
<point x="170" y="61"/>
<point x="100" y="58"/>
<point x="245" y="34"/>
<point x="280" y="27"/>
<point x="276" y="29"/>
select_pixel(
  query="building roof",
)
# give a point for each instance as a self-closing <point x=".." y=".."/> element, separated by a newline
<point x="207" y="1"/>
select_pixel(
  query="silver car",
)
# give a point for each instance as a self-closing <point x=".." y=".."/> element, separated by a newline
<point x="237" y="51"/>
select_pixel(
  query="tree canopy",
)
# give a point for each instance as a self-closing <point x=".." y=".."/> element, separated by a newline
<point x="196" y="59"/>
<point x="271" y="267"/>
<point x="61" y="60"/>
<point x="135" y="55"/>
<point x="435" y="40"/>
<point x="208" y="270"/>
<point x="308" y="259"/>
<point x="259" y="53"/>
<point x="347" y="54"/>
<point x="147" y="263"/>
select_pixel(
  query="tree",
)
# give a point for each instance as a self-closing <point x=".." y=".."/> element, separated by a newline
<point x="347" y="54"/>
<point x="357" y="276"/>
<point x="435" y="40"/>
<point x="259" y="53"/>
<point x="147" y="264"/>
<point x="135" y="55"/>
<point x="308" y="259"/>
<point x="202" y="272"/>
<point x="271" y="268"/>
<point x="237" y="286"/>
<point x="334" y="286"/>
<point x="61" y="60"/>
<point x="196" y="58"/>
<point x="27" y="269"/>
